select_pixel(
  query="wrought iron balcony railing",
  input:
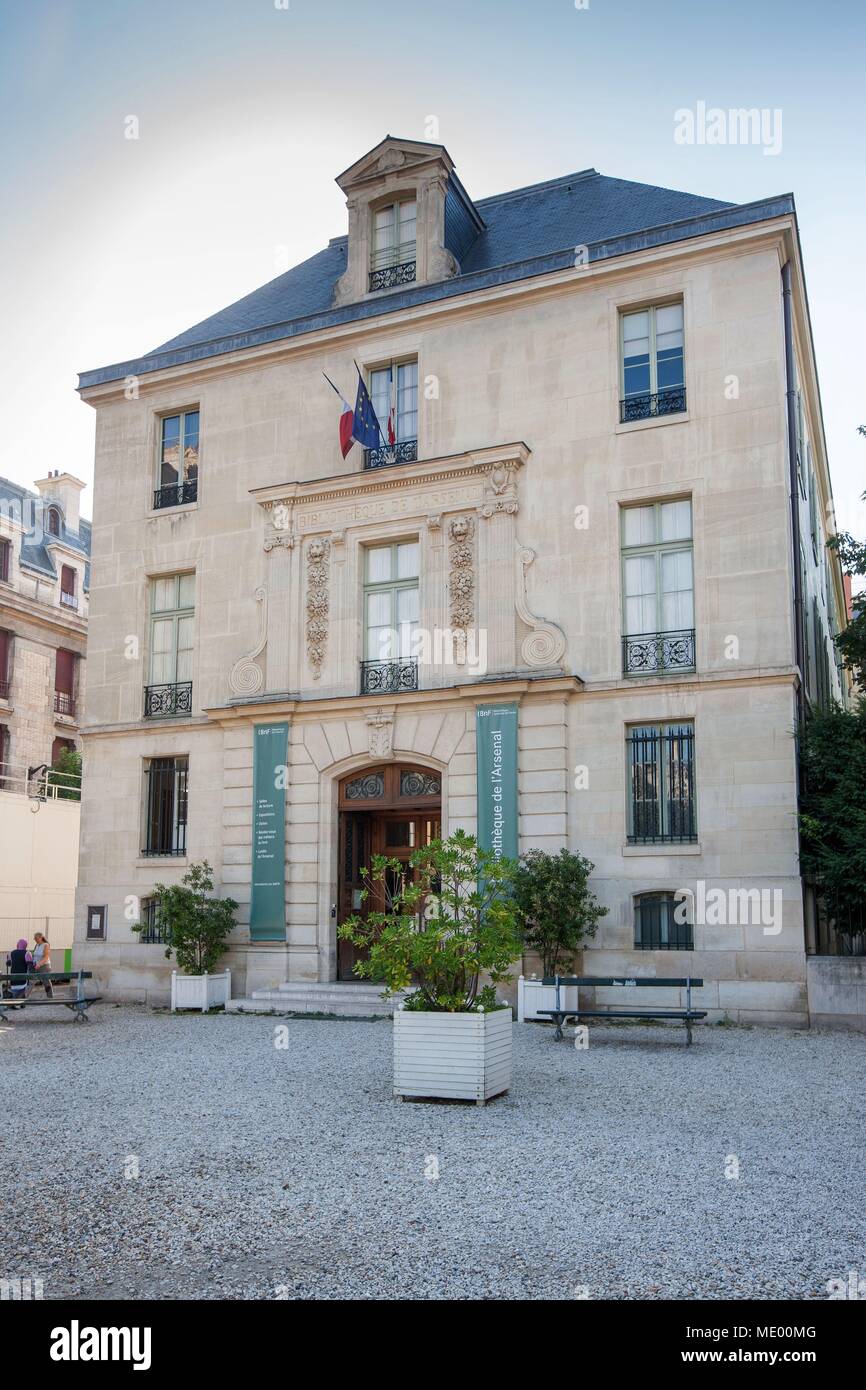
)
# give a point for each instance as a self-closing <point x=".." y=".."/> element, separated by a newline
<point x="68" y="600"/>
<point x="669" y="402"/>
<point x="652" y="652"/>
<point x="176" y="494"/>
<point x="404" y="451"/>
<point x="162" y="701"/>
<point x="389" y="277"/>
<point x="388" y="677"/>
<point x="64" y="703"/>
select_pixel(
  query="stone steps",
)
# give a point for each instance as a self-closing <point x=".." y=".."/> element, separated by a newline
<point x="342" y="999"/>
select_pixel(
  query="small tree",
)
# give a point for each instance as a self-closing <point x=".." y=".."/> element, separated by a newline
<point x="443" y="924"/>
<point x="65" y="775"/>
<point x="556" y="907"/>
<point x="198" y="925"/>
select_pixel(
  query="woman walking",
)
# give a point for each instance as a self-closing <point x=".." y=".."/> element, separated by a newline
<point x="42" y="962"/>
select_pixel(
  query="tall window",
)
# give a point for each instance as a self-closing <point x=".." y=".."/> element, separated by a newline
<point x="390" y="617"/>
<point x="64" y="682"/>
<point x="5" y="650"/>
<point x="658" y="588"/>
<point x="165" y="806"/>
<point x="53" y="521"/>
<point x="661" y="783"/>
<point x="653" y="370"/>
<point x="5" y="560"/>
<point x="392" y="261"/>
<point x="394" y="393"/>
<point x="656" y="924"/>
<point x="177" y="481"/>
<point x="67" y="587"/>
<point x="172" y="622"/>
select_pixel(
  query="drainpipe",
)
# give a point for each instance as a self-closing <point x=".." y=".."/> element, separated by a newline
<point x="791" y="402"/>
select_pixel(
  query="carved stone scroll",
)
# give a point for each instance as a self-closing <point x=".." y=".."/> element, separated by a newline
<point x="545" y="645"/>
<point x="246" y="676"/>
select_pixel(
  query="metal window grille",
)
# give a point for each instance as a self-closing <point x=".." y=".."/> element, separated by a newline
<point x="662" y="792"/>
<point x="655" y="924"/>
<point x="166" y="806"/>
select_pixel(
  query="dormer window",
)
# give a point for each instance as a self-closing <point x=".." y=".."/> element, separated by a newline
<point x="53" y="521"/>
<point x="392" y="261"/>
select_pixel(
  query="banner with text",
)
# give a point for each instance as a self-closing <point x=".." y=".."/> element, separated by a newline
<point x="268" y="906"/>
<point x="496" y="742"/>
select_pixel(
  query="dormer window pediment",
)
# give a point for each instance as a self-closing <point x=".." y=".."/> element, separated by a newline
<point x="396" y="198"/>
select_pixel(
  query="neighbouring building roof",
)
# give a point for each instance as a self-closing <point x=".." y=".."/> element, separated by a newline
<point x="35" y="554"/>
<point x="529" y="231"/>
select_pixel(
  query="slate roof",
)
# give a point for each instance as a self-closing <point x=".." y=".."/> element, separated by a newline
<point x="35" y="555"/>
<point x="529" y="231"/>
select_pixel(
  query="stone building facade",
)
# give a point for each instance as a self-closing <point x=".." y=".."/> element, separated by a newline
<point x="600" y="499"/>
<point x="44" y="583"/>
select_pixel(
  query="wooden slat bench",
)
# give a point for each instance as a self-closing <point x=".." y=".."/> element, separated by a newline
<point x="688" y="1015"/>
<point x="79" y="1003"/>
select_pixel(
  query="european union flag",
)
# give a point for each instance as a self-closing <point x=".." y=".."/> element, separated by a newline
<point x="366" y="427"/>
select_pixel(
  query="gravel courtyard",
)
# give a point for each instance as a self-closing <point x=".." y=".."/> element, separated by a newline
<point x="267" y="1172"/>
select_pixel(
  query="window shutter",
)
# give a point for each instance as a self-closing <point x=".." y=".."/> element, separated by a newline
<point x="67" y="579"/>
<point x="64" y="671"/>
<point x="4" y="656"/>
<point x="5" y="550"/>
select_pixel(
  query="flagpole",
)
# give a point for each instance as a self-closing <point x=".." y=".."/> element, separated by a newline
<point x="332" y="386"/>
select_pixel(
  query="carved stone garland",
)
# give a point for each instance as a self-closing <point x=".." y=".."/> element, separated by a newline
<point x="246" y="677"/>
<point x="318" y="604"/>
<point x="461" y="582"/>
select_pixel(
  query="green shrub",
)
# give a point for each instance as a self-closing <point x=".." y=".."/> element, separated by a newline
<point x="447" y="923"/>
<point x="198" y="924"/>
<point x="556" y="908"/>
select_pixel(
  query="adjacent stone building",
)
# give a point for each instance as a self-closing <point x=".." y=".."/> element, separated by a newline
<point x="44" y="583"/>
<point x="586" y="551"/>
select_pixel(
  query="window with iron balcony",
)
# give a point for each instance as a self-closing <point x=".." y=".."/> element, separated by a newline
<point x="391" y="610"/>
<point x="394" y="393"/>
<point x="652" y="367"/>
<point x="178" y="461"/>
<point x="658" y="589"/>
<point x="172" y="631"/>
<point x="393" y="256"/>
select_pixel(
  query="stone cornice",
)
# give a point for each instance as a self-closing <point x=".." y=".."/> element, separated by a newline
<point x="476" y="463"/>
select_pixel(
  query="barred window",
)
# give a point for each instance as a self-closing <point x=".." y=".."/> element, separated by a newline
<point x="165" y="806"/>
<point x="661" y="800"/>
<point x="152" y="932"/>
<point x="659" y="924"/>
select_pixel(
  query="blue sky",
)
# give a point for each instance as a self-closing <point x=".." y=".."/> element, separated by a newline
<point x="246" y="112"/>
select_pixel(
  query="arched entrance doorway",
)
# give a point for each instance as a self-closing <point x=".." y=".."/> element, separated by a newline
<point x="393" y="809"/>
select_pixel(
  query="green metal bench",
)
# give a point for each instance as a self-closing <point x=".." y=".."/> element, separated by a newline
<point x="688" y="1015"/>
<point x="79" y="1003"/>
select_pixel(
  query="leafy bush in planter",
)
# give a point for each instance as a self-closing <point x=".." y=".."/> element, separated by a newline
<point x="556" y="908"/>
<point x="196" y="923"/>
<point x="443" y="927"/>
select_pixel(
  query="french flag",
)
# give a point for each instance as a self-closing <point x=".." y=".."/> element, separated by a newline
<point x="347" y="426"/>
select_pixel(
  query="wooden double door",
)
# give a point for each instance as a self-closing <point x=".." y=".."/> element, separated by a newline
<point x="392" y="810"/>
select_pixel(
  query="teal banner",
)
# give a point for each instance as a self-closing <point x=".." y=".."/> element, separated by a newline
<point x="268" y="906"/>
<point x="496" y="742"/>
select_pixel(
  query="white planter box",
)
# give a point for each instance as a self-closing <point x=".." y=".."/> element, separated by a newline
<point x="532" y="996"/>
<point x="453" y="1056"/>
<point x="200" y="991"/>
